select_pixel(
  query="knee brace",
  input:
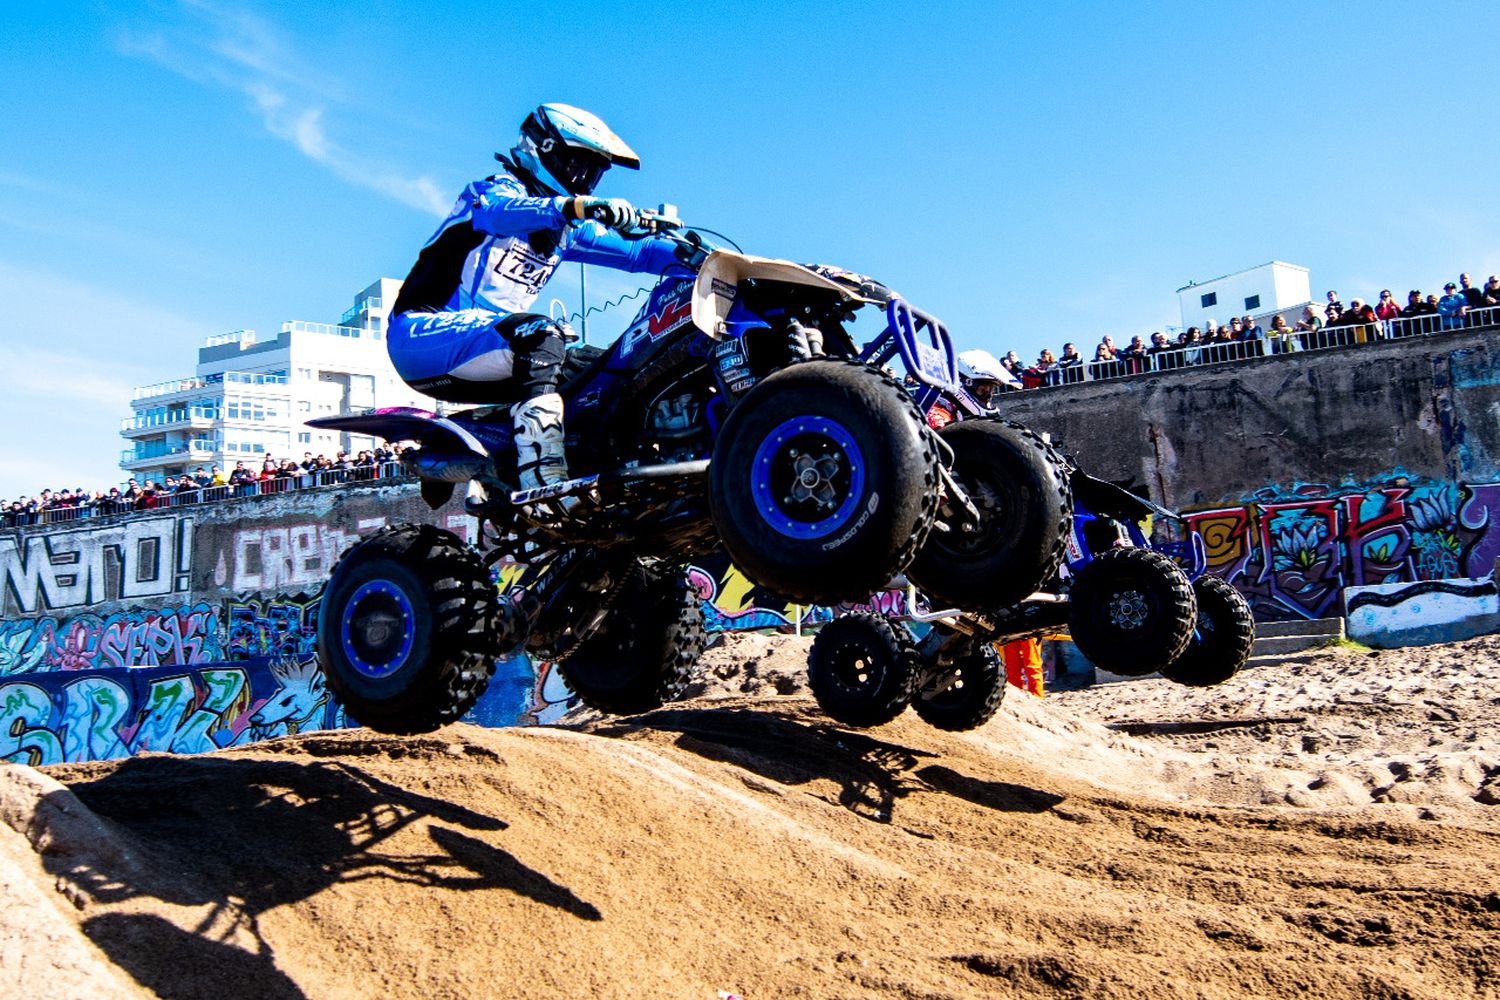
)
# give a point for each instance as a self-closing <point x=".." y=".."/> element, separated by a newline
<point x="538" y="344"/>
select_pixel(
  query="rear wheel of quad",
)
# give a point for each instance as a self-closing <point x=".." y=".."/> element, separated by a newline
<point x="643" y="654"/>
<point x="1221" y="644"/>
<point x="975" y="687"/>
<point x="1019" y="484"/>
<point x="862" y="669"/>
<point x="1131" y="611"/>
<point x="823" y="482"/>
<point x="404" y="629"/>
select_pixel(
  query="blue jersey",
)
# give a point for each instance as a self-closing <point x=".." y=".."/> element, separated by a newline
<point x="500" y="244"/>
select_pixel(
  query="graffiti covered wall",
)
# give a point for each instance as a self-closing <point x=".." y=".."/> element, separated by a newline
<point x="1293" y="552"/>
<point x="189" y="629"/>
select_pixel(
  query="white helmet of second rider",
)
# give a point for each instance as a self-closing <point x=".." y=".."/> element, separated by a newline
<point x="975" y="367"/>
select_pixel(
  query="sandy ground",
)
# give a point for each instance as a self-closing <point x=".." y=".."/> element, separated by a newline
<point x="1327" y="828"/>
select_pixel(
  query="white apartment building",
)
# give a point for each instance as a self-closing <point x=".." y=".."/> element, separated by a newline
<point x="1260" y="292"/>
<point x="250" y="398"/>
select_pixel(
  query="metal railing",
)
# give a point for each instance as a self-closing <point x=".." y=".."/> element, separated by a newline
<point x="361" y="308"/>
<point x="161" y="449"/>
<point x="330" y="329"/>
<point x="189" y="384"/>
<point x="107" y="507"/>
<point x="169" y="419"/>
<point x="247" y="378"/>
<point x="1271" y="343"/>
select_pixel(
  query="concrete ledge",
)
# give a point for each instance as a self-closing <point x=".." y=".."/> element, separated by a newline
<point x="1391" y="615"/>
<point x="1332" y="628"/>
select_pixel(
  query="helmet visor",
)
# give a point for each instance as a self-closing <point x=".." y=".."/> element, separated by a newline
<point x="577" y="170"/>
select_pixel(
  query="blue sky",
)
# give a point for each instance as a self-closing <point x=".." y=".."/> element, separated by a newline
<point x="1030" y="173"/>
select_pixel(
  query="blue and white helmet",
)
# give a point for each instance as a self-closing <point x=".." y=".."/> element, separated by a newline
<point x="566" y="150"/>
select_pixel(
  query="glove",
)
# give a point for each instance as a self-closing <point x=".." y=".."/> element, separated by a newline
<point x="616" y="213"/>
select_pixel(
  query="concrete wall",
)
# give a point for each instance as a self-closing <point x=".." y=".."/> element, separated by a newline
<point x="1307" y="473"/>
<point x="185" y="629"/>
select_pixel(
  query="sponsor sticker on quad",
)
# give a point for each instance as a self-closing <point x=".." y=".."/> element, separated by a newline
<point x="723" y="289"/>
<point x="1075" y="551"/>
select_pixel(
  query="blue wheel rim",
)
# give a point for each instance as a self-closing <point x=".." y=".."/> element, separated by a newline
<point x="807" y="478"/>
<point x="377" y="628"/>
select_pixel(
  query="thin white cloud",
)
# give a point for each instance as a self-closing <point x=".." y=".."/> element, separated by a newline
<point x="235" y="49"/>
<point x="46" y="307"/>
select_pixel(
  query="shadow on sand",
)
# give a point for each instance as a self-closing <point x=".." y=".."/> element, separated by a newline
<point x="872" y="773"/>
<point x="247" y="835"/>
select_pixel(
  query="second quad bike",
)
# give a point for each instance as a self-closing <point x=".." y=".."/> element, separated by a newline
<point x="737" y="412"/>
<point x="1129" y="607"/>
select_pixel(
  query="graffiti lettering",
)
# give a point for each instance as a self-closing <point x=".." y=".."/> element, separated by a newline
<point x="24" y="736"/>
<point x="286" y="558"/>
<point x="65" y="569"/>
<point x="132" y="639"/>
<point x="282" y="628"/>
<point x="93" y="708"/>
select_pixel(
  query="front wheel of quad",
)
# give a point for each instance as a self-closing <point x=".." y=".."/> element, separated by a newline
<point x="967" y="694"/>
<point x="862" y="670"/>
<point x="1131" y="611"/>
<point x="823" y="482"/>
<point x="1221" y="644"/>
<point x="404" y="629"/>
<point x="1019" y="485"/>
<point x="643" y="654"/>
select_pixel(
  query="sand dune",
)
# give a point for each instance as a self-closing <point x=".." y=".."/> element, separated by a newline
<point x="1324" y="828"/>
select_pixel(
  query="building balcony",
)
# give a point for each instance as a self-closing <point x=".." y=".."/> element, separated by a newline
<point x="195" y="420"/>
<point x="361" y="308"/>
<point x="161" y="391"/>
<point x="169" y="388"/>
<point x="155" y="453"/>
<point x="331" y="330"/>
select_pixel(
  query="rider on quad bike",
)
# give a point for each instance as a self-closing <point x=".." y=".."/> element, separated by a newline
<point x="980" y="376"/>
<point x="460" y="330"/>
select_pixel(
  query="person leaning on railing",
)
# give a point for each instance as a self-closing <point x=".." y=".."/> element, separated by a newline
<point x="1284" y="340"/>
<point x="1452" y="307"/>
<point x="1492" y="291"/>
<point x="1070" y="364"/>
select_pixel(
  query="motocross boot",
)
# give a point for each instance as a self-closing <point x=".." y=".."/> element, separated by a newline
<point x="540" y="458"/>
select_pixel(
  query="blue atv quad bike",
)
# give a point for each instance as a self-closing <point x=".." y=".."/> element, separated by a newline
<point x="1128" y="606"/>
<point x="737" y="413"/>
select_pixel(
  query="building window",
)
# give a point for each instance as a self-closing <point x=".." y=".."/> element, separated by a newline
<point x="1211" y="299"/>
<point x="1252" y="302"/>
<point x="304" y="437"/>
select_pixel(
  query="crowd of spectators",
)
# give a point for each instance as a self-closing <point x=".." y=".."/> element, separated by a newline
<point x="204" y="485"/>
<point x="1242" y="337"/>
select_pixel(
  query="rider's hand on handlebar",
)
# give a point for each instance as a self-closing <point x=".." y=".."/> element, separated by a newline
<point x="616" y="213"/>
